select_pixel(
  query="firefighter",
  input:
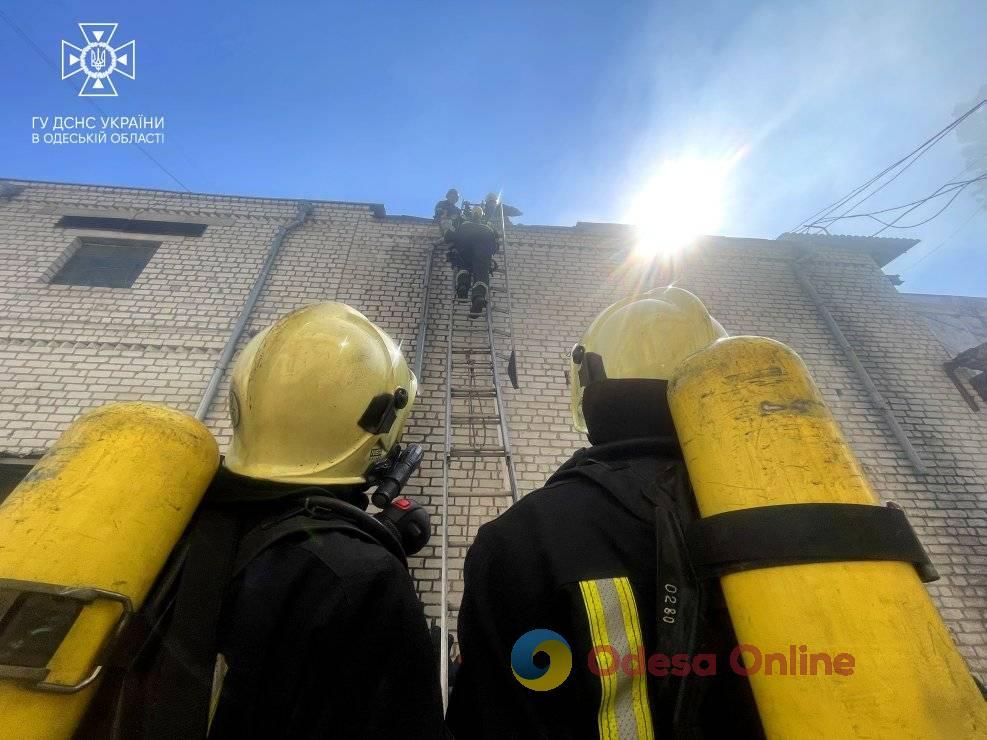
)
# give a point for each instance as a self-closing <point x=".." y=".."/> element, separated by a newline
<point x="448" y="215"/>
<point x="449" y="218"/>
<point x="290" y="611"/>
<point x="578" y="558"/>
<point x="475" y="242"/>
<point x="491" y="208"/>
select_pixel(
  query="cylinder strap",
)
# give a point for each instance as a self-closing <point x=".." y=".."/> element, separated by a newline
<point x="790" y="534"/>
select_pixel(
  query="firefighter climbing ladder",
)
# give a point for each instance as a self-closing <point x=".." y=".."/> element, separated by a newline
<point x="474" y="406"/>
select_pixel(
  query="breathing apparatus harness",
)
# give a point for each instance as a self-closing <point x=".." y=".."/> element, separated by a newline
<point x="402" y="526"/>
<point x="185" y="606"/>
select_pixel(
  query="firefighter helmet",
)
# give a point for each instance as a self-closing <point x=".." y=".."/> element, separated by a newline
<point x="642" y="337"/>
<point x="319" y="397"/>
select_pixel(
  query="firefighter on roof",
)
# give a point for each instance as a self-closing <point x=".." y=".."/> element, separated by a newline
<point x="448" y="215"/>
<point x="304" y="596"/>
<point x="491" y="208"/>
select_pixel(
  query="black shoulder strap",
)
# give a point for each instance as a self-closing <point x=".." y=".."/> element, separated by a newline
<point x="319" y="514"/>
<point x="262" y="537"/>
<point x="181" y="682"/>
<point x="787" y="534"/>
<point x="680" y="596"/>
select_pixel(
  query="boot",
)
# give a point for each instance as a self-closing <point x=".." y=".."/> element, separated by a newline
<point x="479" y="300"/>
<point x="463" y="281"/>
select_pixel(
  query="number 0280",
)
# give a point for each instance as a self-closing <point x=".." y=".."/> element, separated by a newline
<point x="669" y="612"/>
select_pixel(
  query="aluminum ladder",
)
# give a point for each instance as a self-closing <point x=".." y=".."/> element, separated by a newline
<point x="474" y="407"/>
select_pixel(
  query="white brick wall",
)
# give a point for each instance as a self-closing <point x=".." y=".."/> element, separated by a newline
<point x="64" y="349"/>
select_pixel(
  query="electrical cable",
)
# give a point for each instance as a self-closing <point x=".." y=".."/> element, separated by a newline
<point x="916" y="153"/>
<point x="959" y="190"/>
<point x="955" y="187"/>
<point x="945" y="189"/>
<point x="945" y="241"/>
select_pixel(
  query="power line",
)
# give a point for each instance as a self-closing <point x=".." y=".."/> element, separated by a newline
<point x="936" y="194"/>
<point x="955" y="187"/>
<point x="40" y="52"/>
<point x="950" y="185"/>
<point x="945" y="241"/>
<point x="922" y="150"/>
<point x="911" y="158"/>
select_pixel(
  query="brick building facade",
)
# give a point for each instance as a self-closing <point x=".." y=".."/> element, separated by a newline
<point x="65" y="348"/>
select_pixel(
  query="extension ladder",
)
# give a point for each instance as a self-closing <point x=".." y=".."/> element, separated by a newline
<point x="476" y="427"/>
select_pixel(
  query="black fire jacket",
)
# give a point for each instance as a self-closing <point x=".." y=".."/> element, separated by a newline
<point x="321" y="636"/>
<point x="579" y="560"/>
<point x="326" y="638"/>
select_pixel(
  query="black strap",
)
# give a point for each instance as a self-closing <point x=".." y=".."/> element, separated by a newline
<point x="319" y="514"/>
<point x="261" y="538"/>
<point x="680" y="601"/>
<point x="182" y="683"/>
<point x="766" y="536"/>
<point x="680" y="596"/>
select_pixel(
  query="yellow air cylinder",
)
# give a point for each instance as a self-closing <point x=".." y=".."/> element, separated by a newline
<point x="755" y="431"/>
<point x="102" y="509"/>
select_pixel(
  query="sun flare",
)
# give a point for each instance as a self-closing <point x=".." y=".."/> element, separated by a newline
<point x="681" y="201"/>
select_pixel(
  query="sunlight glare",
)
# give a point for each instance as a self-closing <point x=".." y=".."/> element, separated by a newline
<point x="680" y="202"/>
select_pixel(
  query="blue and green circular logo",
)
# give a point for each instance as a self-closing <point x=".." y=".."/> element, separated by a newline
<point x="541" y="677"/>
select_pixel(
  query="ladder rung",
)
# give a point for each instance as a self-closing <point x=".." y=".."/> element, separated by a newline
<point x="479" y="392"/>
<point x="477" y="452"/>
<point x="470" y="350"/>
<point x="502" y="332"/>
<point x="455" y="493"/>
<point x="485" y="420"/>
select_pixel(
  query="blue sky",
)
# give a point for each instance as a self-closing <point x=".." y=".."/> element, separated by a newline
<point x="569" y="108"/>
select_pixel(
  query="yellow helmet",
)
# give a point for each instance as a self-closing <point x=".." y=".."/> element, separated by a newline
<point x="319" y="397"/>
<point x="642" y="337"/>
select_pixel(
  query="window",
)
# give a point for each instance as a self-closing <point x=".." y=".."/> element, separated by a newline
<point x="106" y="263"/>
<point x="969" y="365"/>
<point x="132" y="225"/>
<point x="12" y="473"/>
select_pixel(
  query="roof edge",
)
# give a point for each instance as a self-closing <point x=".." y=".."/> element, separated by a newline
<point x="378" y="209"/>
<point x="882" y="249"/>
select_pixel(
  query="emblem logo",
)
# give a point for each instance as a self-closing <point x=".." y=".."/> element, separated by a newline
<point x="99" y="60"/>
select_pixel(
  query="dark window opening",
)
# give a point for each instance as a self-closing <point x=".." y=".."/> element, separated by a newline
<point x="132" y="225"/>
<point x="979" y="383"/>
<point x="974" y="364"/>
<point x="13" y="473"/>
<point x="106" y="263"/>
